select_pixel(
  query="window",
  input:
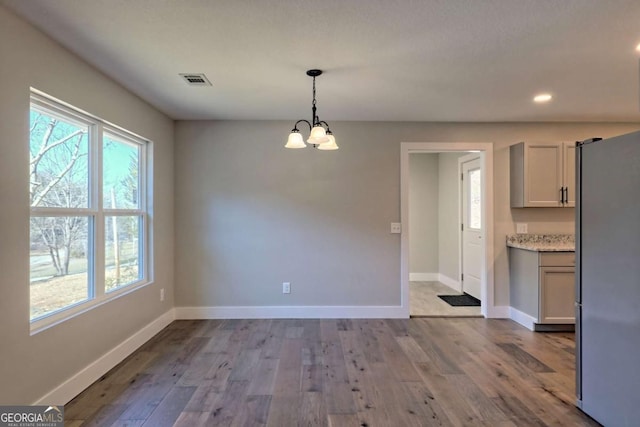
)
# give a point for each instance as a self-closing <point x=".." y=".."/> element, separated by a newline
<point x="89" y="220"/>
<point x="475" y="198"/>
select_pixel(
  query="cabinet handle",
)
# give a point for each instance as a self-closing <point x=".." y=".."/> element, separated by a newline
<point x="566" y="195"/>
<point x="562" y="195"/>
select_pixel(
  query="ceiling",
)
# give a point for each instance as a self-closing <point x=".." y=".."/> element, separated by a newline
<point x="396" y="60"/>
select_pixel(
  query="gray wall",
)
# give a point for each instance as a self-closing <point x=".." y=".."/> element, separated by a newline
<point x="423" y="212"/>
<point x="433" y="213"/>
<point x="448" y="215"/>
<point x="34" y="365"/>
<point x="251" y="214"/>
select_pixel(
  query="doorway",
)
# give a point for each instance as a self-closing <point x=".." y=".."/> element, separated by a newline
<point x="482" y="220"/>
<point x="470" y="172"/>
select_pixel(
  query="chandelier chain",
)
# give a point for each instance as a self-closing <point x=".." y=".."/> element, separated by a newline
<point x="314" y="118"/>
<point x="314" y="91"/>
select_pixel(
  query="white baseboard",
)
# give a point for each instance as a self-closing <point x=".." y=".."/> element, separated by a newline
<point x="522" y="318"/>
<point x="452" y="283"/>
<point x="498" y="312"/>
<point x="87" y="376"/>
<point x="292" y="312"/>
<point x="423" y="277"/>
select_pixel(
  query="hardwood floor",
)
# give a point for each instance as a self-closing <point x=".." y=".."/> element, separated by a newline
<point x="424" y="301"/>
<point x="416" y="372"/>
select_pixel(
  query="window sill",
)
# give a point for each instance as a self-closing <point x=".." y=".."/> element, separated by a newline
<point x="63" y="315"/>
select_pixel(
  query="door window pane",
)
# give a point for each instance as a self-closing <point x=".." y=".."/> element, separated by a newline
<point x="59" y="254"/>
<point x="121" y="172"/>
<point x="122" y="251"/>
<point x="475" y="199"/>
<point x="58" y="163"/>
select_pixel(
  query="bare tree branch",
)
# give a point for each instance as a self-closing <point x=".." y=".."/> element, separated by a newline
<point x="35" y="124"/>
<point x="45" y="147"/>
<point x="75" y="156"/>
<point x="47" y="134"/>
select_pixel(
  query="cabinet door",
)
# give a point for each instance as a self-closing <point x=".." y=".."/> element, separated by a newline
<point x="543" y="174"/>
<point x="557" y="295"/>
<point x="569" y="156"/>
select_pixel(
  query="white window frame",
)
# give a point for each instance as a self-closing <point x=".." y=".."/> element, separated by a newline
<point x="96" y="212"/>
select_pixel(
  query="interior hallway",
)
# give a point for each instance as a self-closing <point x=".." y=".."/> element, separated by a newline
<point x="424" y="301"/>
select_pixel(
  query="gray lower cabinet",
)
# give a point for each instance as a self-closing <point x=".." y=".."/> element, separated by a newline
<point x="542" y="286"/>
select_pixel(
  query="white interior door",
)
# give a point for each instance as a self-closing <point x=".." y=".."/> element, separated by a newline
<point x="472" y="233"/>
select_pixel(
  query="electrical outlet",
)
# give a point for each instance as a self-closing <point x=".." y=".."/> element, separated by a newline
<point x="521" y="228"/>
<point x="286" y="287"/>
<point x="162" y="294"/>
<point x="396" y="228"/>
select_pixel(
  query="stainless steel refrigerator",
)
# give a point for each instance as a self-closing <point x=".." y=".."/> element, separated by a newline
<point x="608" y="279"/>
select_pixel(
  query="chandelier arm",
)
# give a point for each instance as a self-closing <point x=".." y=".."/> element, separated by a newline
<point x="302" y="121"/>
<point x="322" y="122"/>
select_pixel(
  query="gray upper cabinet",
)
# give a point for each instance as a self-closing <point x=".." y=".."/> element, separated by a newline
<point x="542" y="174"/>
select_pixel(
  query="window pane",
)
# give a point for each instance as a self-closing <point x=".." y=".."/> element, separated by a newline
<point x="122" y="251"/>
<point x="59" y="263"/>
<point x="58" y="163"/>
<point x="475" y="194"/>
<point x="121" y="172"/>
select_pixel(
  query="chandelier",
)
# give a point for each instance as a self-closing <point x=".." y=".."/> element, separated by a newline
<point x="320" y="135"/>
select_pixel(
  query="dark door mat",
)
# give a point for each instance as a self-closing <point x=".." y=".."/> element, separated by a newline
<point x="464" y="300"/>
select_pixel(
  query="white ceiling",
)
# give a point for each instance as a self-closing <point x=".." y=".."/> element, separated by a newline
<point x="413" y="60"/>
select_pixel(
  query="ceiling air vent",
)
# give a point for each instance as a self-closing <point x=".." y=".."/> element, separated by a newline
<point x="193" y="79"/>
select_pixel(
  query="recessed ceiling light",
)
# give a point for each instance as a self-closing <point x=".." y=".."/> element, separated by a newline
<point x="638" y="48"/>
<point x="542" y="98"/>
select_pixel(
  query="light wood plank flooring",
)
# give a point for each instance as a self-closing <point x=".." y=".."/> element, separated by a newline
<point x="416" y="372"/>
<point x="424" y="301"/>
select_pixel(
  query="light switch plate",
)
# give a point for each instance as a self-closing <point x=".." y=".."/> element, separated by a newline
<point x="396" y="228"/>
<point x="522" y="228"/>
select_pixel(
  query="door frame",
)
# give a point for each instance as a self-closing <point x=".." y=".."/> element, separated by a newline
<point x="486" y="157"/>
<point x="461" y="160"/>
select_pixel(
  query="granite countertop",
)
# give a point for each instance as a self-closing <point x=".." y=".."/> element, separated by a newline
<point x="542" y="242"/>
